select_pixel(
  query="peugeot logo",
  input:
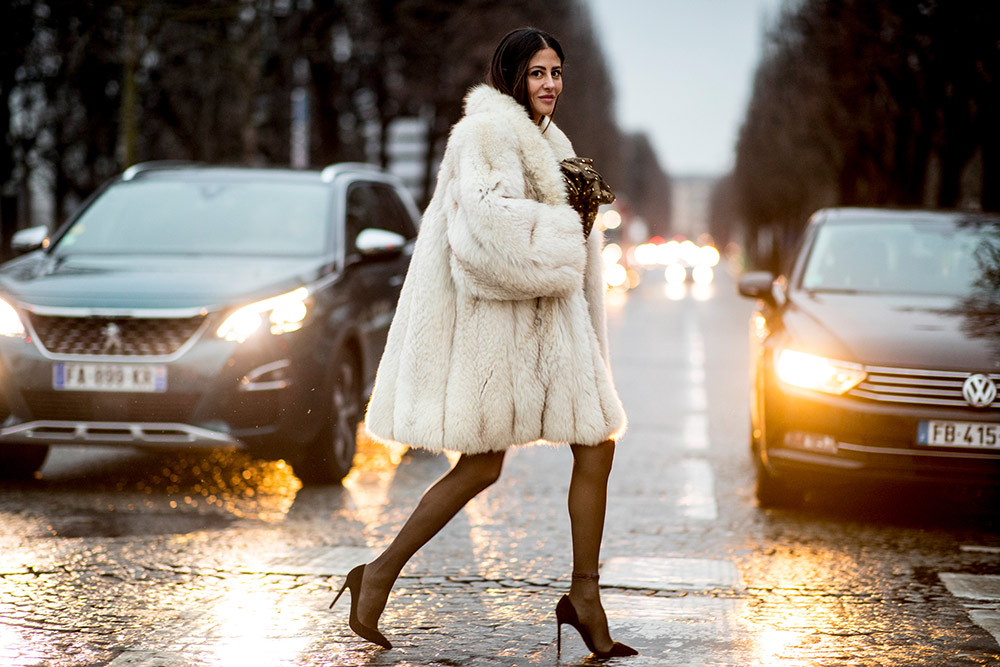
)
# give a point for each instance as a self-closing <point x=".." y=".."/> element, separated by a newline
<point x="113" y="339"/>
<point x="979" y="390"/>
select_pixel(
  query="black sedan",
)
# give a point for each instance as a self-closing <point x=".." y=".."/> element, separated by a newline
<point x="190" y="306"/>
<point x="878" y="356"/>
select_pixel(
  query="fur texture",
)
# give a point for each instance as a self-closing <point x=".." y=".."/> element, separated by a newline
<point x="499" y="336"/>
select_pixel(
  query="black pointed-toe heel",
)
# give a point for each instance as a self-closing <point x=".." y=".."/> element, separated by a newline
<point x="353" y="582"/>
<point x="566" y="613"/>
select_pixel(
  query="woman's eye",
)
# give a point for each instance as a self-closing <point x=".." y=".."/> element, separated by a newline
<point x="557" y="74"/>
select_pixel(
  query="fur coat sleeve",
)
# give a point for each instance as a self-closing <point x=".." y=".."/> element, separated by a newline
<point x="508" y="242"/>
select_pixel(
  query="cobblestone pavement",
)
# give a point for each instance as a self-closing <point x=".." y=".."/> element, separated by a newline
<point x="186" y="560"/>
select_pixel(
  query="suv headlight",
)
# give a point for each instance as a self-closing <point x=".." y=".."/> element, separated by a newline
<point x="10" y="321"/>
<point x="285" y="313"/>
<point x="809" y="371"/>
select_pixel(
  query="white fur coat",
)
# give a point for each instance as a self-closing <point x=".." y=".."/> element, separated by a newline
<point x="499" y="336"/>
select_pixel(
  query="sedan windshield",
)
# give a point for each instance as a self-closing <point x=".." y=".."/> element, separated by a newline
<point x="217" y="218"/>
<point x="936" y="257"/>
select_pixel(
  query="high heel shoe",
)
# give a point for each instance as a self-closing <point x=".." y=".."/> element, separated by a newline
<point x="566" y="613"/>
<point x="353" y="582"/>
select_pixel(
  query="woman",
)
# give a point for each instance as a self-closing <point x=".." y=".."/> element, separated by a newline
<point x="499" y="335"/>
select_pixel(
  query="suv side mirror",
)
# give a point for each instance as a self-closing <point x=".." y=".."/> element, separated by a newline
<point x="374" y="244"/>
<point x="29" y="239"/>
<point x="758" y="285"/>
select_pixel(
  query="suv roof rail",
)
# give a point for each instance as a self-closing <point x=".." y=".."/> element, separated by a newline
<point x="332" y="171"/>
<point x="153" y="165"/>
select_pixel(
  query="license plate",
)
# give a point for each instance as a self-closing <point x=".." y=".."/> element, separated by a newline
<point x="958" y="434"/>
<point x="109" y="377"/>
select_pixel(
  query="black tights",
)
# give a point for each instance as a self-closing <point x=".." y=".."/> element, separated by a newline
<point x="471" y="474"/>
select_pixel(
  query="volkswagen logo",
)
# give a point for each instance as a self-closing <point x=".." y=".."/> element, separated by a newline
<point x="113" y="339"/>
<point x="979" y="390"/>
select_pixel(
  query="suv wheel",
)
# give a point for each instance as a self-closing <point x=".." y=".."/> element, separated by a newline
<point x="18" y="462"/>
<point x="330" y="456"/>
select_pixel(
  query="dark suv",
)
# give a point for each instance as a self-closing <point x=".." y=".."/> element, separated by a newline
<point x="192" y="306"/>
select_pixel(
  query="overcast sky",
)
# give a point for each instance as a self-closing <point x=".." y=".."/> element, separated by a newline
<point x="683" y="70"/>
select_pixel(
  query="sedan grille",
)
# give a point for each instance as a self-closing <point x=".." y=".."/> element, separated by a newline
<point x="916" y="387"/>
<point x="126" y="336"/>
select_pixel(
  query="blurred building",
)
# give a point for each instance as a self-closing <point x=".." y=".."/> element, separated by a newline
<point x="691" y="200"/>
<point x="405" y="151"/>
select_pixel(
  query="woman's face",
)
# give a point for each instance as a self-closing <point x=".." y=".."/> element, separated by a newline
<point x="544" y="82"/>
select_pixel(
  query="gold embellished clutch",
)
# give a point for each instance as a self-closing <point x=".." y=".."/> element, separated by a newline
<point x="586" y="189"/>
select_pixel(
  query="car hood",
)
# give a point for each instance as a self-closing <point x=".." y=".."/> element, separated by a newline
<point x="150" y="281"/>
<point x="908" y="331"/>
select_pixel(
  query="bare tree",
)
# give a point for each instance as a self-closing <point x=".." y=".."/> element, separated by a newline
<point x="870" y="102"/>
<point x="16" y="30"/>
<point x="96" y="85"/>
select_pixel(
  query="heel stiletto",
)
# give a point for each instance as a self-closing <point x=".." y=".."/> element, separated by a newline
<point x="566" y="613"/>
<point x="353" y="582"/>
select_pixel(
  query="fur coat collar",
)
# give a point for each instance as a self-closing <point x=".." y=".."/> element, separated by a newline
<point x="539" y="169"/>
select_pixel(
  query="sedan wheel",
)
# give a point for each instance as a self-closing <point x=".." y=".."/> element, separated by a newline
<point x="21" y="462"/>
<point x="331" y="455"/>
<point x="772" y="493"/>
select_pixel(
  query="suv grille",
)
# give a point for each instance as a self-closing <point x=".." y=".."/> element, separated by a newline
<point x="100" y="406"/>
<point x="916" y="387"/>
<point x="128" y="336"/>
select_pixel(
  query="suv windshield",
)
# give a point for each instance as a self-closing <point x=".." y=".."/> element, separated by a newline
<point x="937" y="257"/>
<point x="217" y="218"/>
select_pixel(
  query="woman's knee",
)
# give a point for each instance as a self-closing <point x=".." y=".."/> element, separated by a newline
<point x="480" y="470"/>
<point x="595" y="460"/>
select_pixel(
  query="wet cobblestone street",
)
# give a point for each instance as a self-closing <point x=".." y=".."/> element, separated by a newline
<point x="128" y="559"/>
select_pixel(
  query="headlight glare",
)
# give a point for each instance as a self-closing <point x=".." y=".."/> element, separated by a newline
<point x="10" y="322"/>
<point x="809" y="371"/>
<point x="286" y="313"/>
<point x="287" y="316"/>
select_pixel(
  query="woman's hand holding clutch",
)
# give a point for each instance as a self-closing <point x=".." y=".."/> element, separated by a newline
<point x="586" y="189"/>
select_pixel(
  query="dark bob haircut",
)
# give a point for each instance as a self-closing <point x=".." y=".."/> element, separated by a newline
<point x="508" y="70"/>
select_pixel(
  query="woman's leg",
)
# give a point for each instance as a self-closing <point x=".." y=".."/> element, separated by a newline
<point x="470" y="475"/>
<point x="588" y="495"/>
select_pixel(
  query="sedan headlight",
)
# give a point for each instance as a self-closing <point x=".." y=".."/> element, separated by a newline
<point x="818" y="373"/>
<point x="10" y="321"/>
<point x="285" y="313"/>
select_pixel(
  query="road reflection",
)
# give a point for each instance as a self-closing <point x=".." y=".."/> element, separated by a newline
<point x="218" y="481"/>
<point x="252" y="629"/>
<point x="823" y="581"/>
<point x="681" y="291"/>
<point x="231" y="481"/>
<point x="369" y="483"/>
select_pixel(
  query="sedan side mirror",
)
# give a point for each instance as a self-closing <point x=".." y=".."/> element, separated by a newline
<point x="29" y="239"/>
<point x="758" y="285"/>
<point x="375" y="244"/>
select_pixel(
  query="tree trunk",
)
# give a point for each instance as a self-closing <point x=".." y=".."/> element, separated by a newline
<point x="128" y="126"/>
<point x="8" y="216"/>
<point x="991" y="170"/>
<point x="951" y="178"/>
